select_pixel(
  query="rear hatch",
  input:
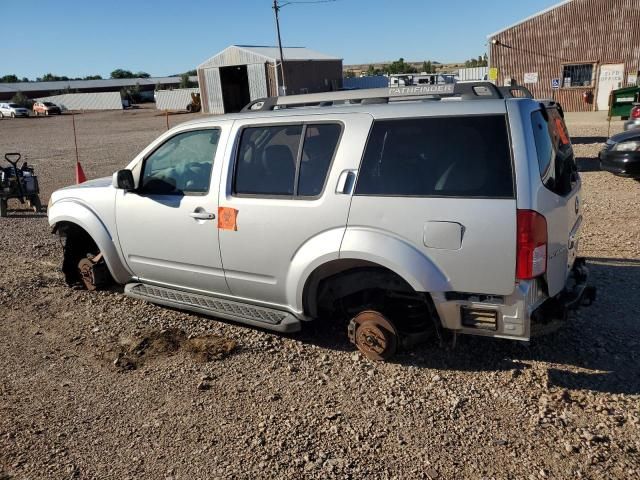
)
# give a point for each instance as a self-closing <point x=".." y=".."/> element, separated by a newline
<point x="559" y="202"/>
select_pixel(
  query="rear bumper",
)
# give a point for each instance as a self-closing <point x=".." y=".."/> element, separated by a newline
<point x="527" y="312"/>
<point x="554" y="312"/>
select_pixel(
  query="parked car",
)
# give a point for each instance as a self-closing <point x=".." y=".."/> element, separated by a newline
<point x="400" y="216"/>
<point x="13" y="110"/>
<point x="621" y="154"/>
<point x="634" y="118"/>
<point x="46" y="108"/>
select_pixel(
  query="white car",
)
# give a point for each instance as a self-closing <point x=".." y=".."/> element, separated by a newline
<point x="13" y="110"/>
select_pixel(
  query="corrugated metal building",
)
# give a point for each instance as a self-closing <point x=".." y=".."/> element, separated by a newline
<point x="41" y="89"/>
<point x="177" y="99"/>
<point x="581" y="46"/>
<point x="86" y="101"/>
<point x="473" y="74"/>
<point x="241" y="73"/>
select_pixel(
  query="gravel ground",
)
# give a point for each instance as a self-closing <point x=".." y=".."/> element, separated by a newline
<point x="302" y="406"/>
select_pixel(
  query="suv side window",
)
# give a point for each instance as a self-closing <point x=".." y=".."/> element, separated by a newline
<point x="438" y="157"/>
<point x="320" y="142"/>
<point x="556" y="161"/>
<point x="285" y="160"/>
<point x="181" y="165"/>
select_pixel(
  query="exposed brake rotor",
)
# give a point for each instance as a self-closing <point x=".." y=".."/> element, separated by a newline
<point x="374" y="335"/>
<point x="91" y="270"/>
<point x="85" y="267"/>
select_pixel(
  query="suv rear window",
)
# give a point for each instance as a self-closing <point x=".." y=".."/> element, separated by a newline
<point x="439" y="157"/>
<point x="555" y="154"/>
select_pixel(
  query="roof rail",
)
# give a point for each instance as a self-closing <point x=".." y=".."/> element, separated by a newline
<point x="466" y="91"/>
<point x="515" y="91"/>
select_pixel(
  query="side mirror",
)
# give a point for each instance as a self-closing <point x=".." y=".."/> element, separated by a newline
<point x="123" y="179"/>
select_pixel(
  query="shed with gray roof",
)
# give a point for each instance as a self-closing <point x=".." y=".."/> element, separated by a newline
<point x="241" y="73"/>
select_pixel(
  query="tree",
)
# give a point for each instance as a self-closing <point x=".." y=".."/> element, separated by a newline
<point x="185" y="82"/>
<point x="22" y="100"/>
<point x="399" y="66"/>
<point x="50" y="77"/>
<point x="350" y="74"/>
<point x="9" y="79"/>
<point x="371" y="71"/>
<point x="92" y="77"/>
<point x="428" y="67"/>
<point x="141" y="75"/>
<point x="120" y="73"/>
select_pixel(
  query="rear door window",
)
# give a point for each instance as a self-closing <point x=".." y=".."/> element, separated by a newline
<point x="438" y="156"/>
<point x="285" y="160"/>
<point x="556" y="161"/>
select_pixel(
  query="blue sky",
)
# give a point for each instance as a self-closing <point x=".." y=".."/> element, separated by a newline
<point x="161" y="37"/>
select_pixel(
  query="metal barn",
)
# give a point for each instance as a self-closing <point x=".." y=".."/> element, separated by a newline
<point x="241" y="73"/>
<point x="576" y="52"/>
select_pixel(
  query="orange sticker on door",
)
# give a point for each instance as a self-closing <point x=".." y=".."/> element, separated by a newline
<point x="227" y="218"/>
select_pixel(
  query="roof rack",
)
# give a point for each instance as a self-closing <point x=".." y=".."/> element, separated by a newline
<point x="515" y="91"/>
<point x="465" y="91"/>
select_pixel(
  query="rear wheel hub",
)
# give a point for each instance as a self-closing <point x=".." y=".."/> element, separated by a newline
<point x="374" y="335"/>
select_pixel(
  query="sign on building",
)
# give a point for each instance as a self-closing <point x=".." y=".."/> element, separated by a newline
<point x="632" y="79"/>
<point x="493" y="74"/>
<point x="531" y="77"/>
<point x="555" y="83"/>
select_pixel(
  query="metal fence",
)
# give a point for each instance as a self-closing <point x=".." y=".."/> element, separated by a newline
<point x="377" y="81"/>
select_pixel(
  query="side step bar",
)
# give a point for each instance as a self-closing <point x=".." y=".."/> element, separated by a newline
<point x="262" y="317"/>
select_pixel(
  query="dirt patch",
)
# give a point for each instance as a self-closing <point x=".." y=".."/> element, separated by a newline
<point x="134" y="352"/>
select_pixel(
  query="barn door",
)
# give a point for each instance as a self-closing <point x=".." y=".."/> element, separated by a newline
<point x="257" y="81"/>
<point x="611" y="78"/>
<point x="213" y="86"/>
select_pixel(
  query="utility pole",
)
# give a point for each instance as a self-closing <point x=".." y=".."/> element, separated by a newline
<point x="276" y="9"/>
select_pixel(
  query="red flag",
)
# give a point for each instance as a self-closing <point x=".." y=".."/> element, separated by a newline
<point x="80" y="176"/>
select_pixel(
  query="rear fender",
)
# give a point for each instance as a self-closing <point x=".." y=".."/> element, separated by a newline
<point x="397" y="255"/>
<point x="81" y="215"/>
<point x="317" y="251"/>
<point x="362" y="244"/>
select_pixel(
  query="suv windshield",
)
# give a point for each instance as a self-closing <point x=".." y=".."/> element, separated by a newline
<point x="14" y="105"/>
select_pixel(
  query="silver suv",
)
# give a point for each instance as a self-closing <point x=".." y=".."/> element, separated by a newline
<point x="401" y="210"/>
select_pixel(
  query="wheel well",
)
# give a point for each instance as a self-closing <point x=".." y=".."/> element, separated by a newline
<point x="342" y="278"/>
<point x="77" y="243"/>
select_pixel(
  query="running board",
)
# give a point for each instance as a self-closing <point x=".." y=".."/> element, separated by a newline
<point x="262" y="317"/>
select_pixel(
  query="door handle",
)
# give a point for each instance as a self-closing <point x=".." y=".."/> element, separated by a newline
<point x="346" y="181"/>
<point x="202" y="215"/>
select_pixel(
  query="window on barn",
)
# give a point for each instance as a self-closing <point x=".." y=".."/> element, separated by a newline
<point x="580" y="75"/>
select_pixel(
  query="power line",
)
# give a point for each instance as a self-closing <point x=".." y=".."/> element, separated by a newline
<point x="276" y="9"/>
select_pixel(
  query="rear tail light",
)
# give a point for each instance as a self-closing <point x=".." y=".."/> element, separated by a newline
<point x="635" y="112"/>
<point x="531" y="253"/>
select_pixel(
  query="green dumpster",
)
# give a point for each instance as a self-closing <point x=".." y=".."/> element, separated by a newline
<point x="622" y="100"/>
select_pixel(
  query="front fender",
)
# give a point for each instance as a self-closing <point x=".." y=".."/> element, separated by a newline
<point x="77" y="213"/>
<point x="397" y="255"/>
